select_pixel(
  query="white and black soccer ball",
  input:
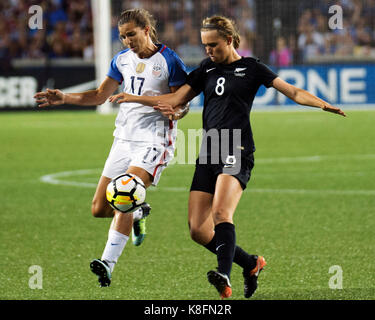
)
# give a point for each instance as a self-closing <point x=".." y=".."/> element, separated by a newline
<point x="126" y="193"/>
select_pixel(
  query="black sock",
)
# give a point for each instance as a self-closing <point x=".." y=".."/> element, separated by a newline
<point x="241" y="257"/>
<point x="225" y="246"/>
<point x="244" y="260"/>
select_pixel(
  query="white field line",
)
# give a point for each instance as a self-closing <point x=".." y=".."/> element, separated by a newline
<point x="55" y="178"/>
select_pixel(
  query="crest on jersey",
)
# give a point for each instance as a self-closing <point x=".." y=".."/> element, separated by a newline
<point x="156" y="71"/>
<point x="238" y="72"/>
<point x="140" y="67"/>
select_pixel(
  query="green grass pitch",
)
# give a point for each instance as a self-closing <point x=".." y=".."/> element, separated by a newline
<point x="309" y="206"/>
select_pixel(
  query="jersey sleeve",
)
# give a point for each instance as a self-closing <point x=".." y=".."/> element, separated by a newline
<point x="113" y="71"/>
<point x="176" y="68"/>
<point x="265" y="74"/>
<point x="195" y="80"/>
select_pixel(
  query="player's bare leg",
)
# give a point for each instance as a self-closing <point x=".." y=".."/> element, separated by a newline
<point x="119" y="231"/>
<point x="201" y="224"/>
<point x="100" y="207"/>
<point x="139" y="215"/>
<point x="228" y="192"/>
<point x="202" y="230"/>
<point x="122" y="224"/>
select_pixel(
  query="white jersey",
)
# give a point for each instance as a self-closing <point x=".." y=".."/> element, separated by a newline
<point x="152" y="76"/>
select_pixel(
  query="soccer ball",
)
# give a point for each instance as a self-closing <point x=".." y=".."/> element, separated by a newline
<point x="126" y="192"/>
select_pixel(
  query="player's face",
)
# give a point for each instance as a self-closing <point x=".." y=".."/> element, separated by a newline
<point x="134" y="37"/>
<point x="217" y="48"/>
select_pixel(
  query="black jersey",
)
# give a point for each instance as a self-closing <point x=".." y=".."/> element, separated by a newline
<point x="229" y="91"/>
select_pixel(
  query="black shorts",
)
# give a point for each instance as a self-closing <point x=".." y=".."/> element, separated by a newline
<point x="205" y="175"/>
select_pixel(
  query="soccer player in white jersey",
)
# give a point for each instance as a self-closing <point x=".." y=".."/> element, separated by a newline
<point x="143" y="139"/>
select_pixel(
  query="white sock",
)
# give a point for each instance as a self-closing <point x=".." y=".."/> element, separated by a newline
<point x="137" y="214"/>
<point x="115" y="244"/>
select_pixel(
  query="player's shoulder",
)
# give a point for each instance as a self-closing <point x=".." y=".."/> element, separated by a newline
<point x="120" y="57"/>
<point x="176" y="67"/>
<point x="121" y="53"/>
<point x="250" y="61"/>
<point x="169" y="55"/>
<point x="164" y="49"/>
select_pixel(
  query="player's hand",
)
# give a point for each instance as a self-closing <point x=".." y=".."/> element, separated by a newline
<point x="50" y="97"/>
<point x="329" y="108"/>
<point x="120" y="98"/>
<point x="181" y="111"/>
<point x="166" y="109"/>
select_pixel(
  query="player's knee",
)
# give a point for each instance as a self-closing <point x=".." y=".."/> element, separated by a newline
<point x="98" y="210"/>
<point x="221" y="215"/>
<point x="196" y="233"/>
<point x="95" y="210"/>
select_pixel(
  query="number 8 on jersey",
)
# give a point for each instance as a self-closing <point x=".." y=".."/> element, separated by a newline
<point x="220" y="86"/>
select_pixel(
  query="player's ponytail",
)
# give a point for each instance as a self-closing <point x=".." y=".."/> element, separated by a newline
<point x="142" y="18"/>
<point x="224" y="26"/>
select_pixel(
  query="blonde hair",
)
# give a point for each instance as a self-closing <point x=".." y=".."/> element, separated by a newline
<point x="225" y="27"/>
<point x="142" y="18"/>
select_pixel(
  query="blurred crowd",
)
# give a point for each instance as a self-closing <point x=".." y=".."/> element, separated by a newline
<point x="320" y="33"/>
<point x="179" y="22"/>
<point x="355" y="38"/>
<point x="68" y="31"/>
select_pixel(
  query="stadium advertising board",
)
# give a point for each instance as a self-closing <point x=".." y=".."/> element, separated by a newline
<point x="18" y="86"/>
<point x="345" y="85"/>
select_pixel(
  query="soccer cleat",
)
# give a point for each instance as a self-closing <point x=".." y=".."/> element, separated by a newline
<point x="251" y="278"/>
<point x="102" y="270"/>
<point x="139" y="227"/>
<point x="220" y="282"/>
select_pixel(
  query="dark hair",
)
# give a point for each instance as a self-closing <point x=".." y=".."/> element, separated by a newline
<point x="224" y="26"/>
<point x="142" y="18"/>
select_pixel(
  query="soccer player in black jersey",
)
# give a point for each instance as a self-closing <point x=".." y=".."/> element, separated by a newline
<point x="229" y="83"/>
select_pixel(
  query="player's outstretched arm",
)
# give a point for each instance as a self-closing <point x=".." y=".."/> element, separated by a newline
<point x="173" y="113"/>
<point x="178" y="112"/>
<point x="304" y="97"/>
<point x="145" y="100"/>
<point x="49" y="98"/>
<point x="88" y="98"/>
<point x="178" y="98"/>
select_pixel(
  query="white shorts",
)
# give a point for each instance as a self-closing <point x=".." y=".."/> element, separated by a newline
<point x="153" y="158"/>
